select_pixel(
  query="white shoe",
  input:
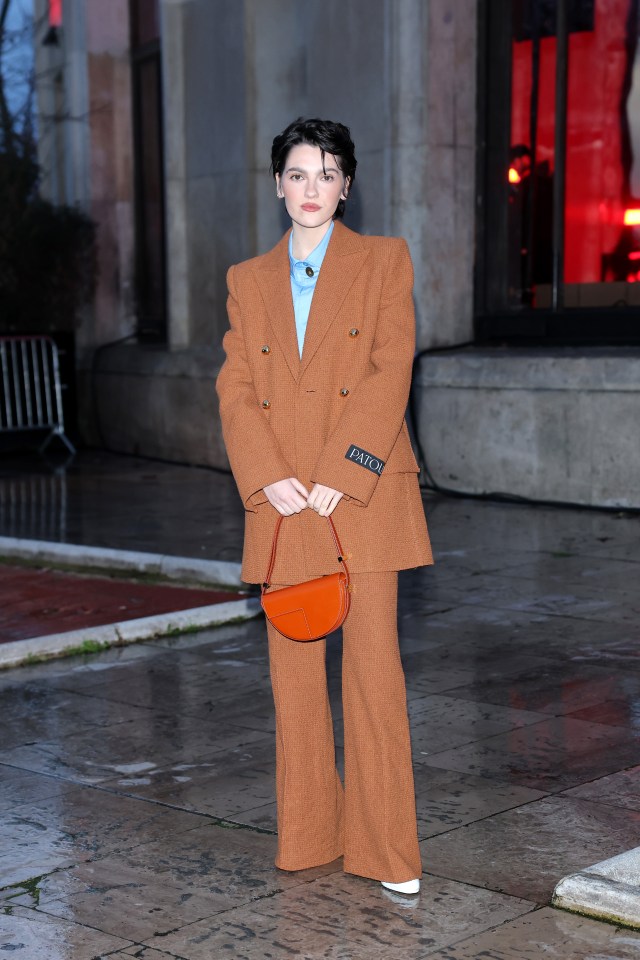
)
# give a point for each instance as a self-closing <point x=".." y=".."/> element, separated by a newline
<point x="410" y="886"/>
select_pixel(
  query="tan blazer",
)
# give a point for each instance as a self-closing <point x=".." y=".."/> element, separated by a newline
<point x="334" y="417"/>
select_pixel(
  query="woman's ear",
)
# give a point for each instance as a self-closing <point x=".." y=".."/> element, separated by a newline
<point x="279" y="193"/>
<point x="345" y="189"/>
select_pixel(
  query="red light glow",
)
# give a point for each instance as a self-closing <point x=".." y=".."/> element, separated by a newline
<point x="634" y="255"/>
<point x="55" y="13"/>
<point x="632" y="217"/>
<point x="514" y="176"/>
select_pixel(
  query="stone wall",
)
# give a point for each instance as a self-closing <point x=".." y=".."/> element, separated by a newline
<point x="402" y="75"/>
<point x="561" y="424"/>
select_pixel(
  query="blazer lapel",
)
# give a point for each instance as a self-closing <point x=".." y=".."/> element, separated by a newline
<point x="344" y="257"/>
<point x="342" y="262"/>
<point x="274" y="280"/>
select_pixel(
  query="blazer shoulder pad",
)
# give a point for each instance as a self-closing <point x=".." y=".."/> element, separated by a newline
<point x="245" y="267"/>
<point x="388" y="249"/>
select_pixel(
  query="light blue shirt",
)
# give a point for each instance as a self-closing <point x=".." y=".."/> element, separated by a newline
<point x="303" y="285"/>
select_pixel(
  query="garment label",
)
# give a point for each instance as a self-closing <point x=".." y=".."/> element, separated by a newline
<point x="357" y="455"/>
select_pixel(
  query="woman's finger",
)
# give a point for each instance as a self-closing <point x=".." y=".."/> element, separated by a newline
<point x="300" y="487"/>
<point x="335" y="500"/>
<point x="316" y="496"/>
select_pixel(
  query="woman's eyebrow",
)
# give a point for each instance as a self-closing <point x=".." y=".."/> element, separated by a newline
<point x="304" y="170"/>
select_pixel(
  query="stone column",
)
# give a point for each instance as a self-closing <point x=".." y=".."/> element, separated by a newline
<point x="430" y="156"/>
<point x="276" y="89"/>
<point x="63" y="107"/>
<point x="406" y="140"/>
<point x="174" y="32"/>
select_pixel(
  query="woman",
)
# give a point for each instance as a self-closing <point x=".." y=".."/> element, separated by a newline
<point x="312" y="400"/>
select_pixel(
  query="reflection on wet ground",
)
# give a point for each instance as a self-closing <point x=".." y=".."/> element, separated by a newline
<point x="137" y="809"/>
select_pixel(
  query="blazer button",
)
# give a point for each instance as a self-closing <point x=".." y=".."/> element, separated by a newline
<point x="266" y="348"/>
<point x="354" y="332"/>
<point x="266" y="404"/>
<point x="344" y="392"/>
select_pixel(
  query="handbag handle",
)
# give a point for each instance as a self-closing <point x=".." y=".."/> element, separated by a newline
<point x="272" y="559"/>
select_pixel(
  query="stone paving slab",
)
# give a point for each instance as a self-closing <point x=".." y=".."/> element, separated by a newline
<point x="328" y="913"/>
<point x="545" y="934"/>
<point x="525" y="850"/>
<point x="38" y="936"/>
<point x="125" y="503"/>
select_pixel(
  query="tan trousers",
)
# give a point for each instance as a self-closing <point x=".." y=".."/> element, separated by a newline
<point x="372" y="821"/>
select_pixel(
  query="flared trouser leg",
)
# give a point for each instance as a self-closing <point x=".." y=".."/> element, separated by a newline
<point x="373" y="822"/>
<point x="309" y="793"/>
<point x="381" y="839"/>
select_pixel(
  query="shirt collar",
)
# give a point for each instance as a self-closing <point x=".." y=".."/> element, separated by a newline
<point x="316" y="256"/>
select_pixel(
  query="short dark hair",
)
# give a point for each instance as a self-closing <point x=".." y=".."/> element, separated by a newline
<point x="333" y="138"/>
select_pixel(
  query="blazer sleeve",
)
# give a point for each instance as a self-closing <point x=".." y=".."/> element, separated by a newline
<point x="254" y="453"/>
<point x="375" y="411"/>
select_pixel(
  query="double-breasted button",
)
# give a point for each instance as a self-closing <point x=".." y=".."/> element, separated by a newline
<point x="266" y="348"/>
<point x="266" y="404"/>
<point x="344" y="392"/>
<point x="354" y="332"/>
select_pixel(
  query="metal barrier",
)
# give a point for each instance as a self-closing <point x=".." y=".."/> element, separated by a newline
<point x="30" y="391"/>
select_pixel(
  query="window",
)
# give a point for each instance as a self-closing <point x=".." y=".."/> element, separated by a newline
<point x="148" y="169"/>
<point x="559" y="171"/>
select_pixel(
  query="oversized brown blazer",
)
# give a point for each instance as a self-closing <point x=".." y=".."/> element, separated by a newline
<point x="334" y="417"/>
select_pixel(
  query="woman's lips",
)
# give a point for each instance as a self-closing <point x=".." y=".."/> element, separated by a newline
<point x="310" y="207"/>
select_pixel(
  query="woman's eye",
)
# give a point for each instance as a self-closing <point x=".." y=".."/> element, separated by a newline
<point x="296" y="176"/>
<point x="328" y="177"/>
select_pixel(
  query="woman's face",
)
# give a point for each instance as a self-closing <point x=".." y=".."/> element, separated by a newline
<point x="311" y="192"/>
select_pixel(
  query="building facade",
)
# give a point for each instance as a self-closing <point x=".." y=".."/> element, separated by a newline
<point x="471" y="132"/>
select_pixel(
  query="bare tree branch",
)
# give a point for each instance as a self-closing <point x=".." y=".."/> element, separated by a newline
<point x="4" y="10"/>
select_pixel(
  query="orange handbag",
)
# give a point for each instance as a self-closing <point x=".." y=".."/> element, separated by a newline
<point x="308" y="611"/>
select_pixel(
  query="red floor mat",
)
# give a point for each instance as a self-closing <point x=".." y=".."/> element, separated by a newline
<point x="37" y="602"/>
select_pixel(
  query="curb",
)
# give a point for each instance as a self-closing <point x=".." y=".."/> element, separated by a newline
<point x="609" y="890"/>
<point x="218" y="572"/>
<point x="92" y="639"/>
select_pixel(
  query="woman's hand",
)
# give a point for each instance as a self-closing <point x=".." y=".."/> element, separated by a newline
<point x="287" y="496"/>
<point x="324" y="499"/>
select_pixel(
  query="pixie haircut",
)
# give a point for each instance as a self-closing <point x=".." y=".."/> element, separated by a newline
<point x="330" y="137"/>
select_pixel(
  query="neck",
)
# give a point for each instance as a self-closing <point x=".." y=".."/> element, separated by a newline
<point x="306" y="239"/>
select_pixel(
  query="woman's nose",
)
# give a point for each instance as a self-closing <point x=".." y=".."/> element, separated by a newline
<point x="311" y="189"/>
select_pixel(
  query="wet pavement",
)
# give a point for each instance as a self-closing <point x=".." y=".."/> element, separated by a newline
<point x="136" y="785"/>
<point x="106" y="500"/>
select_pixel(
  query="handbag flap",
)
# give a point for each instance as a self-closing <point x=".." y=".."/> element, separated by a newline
<point x="308" y="610"/>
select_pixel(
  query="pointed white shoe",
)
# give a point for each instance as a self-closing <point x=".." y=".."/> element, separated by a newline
<point x="410" y="886"/>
